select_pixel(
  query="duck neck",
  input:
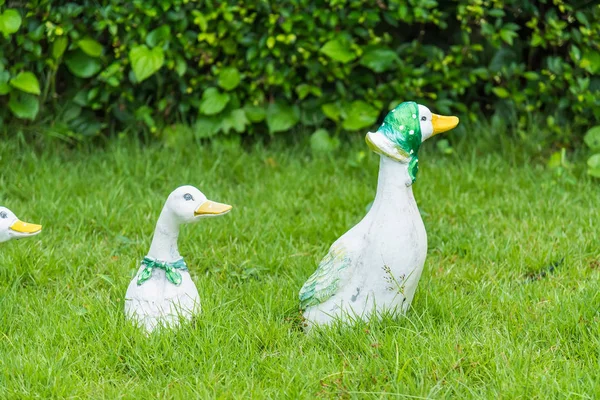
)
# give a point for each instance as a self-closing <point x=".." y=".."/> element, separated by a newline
<point x="394" y="185"/>
<point x="164" y="243"/>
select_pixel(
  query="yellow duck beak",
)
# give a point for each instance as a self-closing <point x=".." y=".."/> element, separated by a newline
<point x="25" y="228"/>
<point x="212" y="208"/>
<point x="442" y="123"/>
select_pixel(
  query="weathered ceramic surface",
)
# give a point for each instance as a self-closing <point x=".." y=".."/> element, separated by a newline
<point x="162" y="292"/>
<point x="12" y="227"/>
<point x="375" y="266"/>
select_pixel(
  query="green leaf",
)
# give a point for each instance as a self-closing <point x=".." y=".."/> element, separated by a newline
<point x="581" y="17"/>
<point x="303" y="90"/>
<point x="86" y="124"/>
<point x="356" y="159"/>
<point x="200" y="20"/>
<point x="23" y="105"/>
<point x="594" y="166"/>
<point x="555" y="160"/>
<point x="213" y="102"/>
<point x="146" y="62"/>
<point x="503" y="57"/>
<point x="332" y="111"/>
<point x="255" y="114"/>
<point x="180" y="65"/>
<point x="311" y="114"/>
<point x="229" y="78"/>
<point x="592" y="138"/>
<point x="26" y="82"/>
<point x="145" y="114"/>
<point x="177" y="135"/>
<point x="531" y="76"/>
<point x="281" y="117"/>
<point x="537" y="40"/>
<point x="575" y="53"/>
<point x="59" y="46"/>
<point x="206" y="127"/>
<point x="321" y="142"/>
<point x="82" y="65"/>
<point x="590" y="61"/>
<point x="501" y="92"/>
<point x="236" y="120"/>
<point x="4" y="86"/>
<point x="444" y="146"/>
<point x="508" y="36"/>
<point x="360" y="115"/>
<point x="10" y="22"/>
<point x="158" y="35"/>
<point x="558" y="160"/>
<point x="379" y="60"/>
<point x="70" y="112"/>
<point x="338" y="50"/>
<point x="90" y="47"/>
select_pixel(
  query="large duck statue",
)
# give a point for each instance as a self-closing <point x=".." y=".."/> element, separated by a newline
<point x="375" y="267"/>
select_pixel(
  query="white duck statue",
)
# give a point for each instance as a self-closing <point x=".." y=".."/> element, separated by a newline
<point x="163" y="290"/>
<point x="375" y="267"/>
<point x="12" y="227"/>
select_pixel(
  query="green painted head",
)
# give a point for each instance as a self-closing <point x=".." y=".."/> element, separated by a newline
<point x="404" y="129"/>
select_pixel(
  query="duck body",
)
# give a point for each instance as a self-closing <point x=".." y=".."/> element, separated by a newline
<point x="375" y="267"/>
<point x="163" y="293"/>
<point x="157" y="301"/>
<point x="381" y="258"/>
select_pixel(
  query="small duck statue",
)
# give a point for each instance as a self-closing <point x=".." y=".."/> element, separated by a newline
<point x="163" y="290"/>
<point x="375" y="266"/>
<point x="12" y="227"/>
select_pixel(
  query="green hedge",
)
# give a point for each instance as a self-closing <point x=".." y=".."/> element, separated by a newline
<point x="95" y="67"/>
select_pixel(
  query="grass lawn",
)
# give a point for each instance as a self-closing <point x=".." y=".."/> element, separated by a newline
<point x="482" y="324"/>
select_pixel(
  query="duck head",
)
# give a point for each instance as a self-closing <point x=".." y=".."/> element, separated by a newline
<point x="187" y="204"/>
<point x="404" y="129"/>
<point x="13" y="228"/>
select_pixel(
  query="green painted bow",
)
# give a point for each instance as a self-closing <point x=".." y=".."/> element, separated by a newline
<point x="170" y="270"/>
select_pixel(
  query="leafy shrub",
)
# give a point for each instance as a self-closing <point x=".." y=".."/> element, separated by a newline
<point x="230" y="67"/>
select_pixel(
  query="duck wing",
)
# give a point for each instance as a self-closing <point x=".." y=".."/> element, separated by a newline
<point x="325" y="281"/>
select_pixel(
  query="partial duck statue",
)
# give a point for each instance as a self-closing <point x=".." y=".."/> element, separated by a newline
<point x="162" y="292"/>
<point x="375" y="267"/>
<point x="12" y="227"/>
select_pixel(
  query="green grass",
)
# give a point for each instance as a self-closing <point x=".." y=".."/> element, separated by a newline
<point x="478" y="328"/>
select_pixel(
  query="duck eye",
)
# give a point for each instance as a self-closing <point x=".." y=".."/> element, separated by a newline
<point x="188" y="197"/>
<point x="423" y="118"/>
<point x="3" y="215"/>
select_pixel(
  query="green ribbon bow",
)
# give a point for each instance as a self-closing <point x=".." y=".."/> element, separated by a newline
<point x="170" y="270"/>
